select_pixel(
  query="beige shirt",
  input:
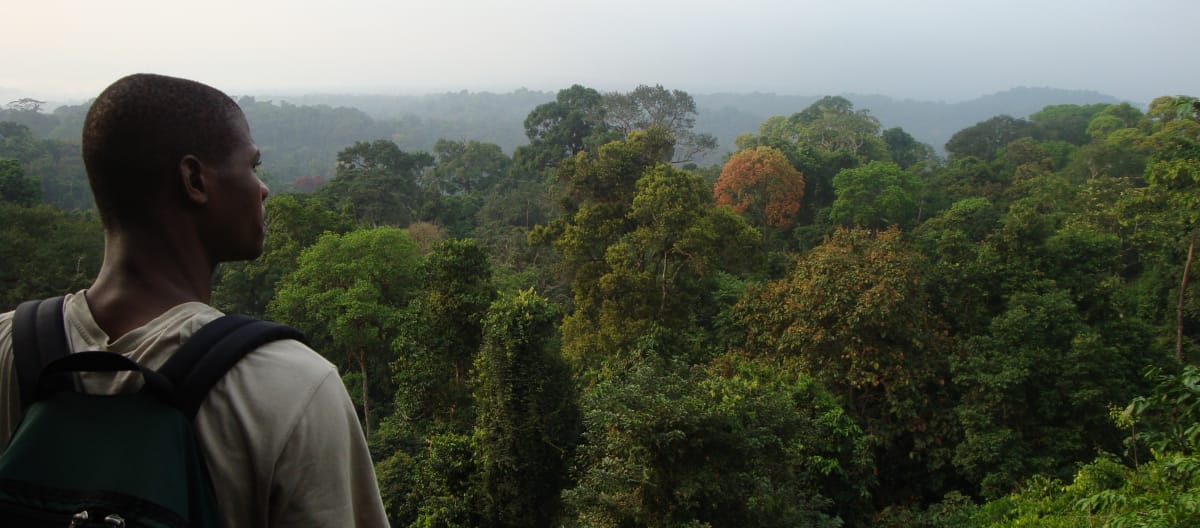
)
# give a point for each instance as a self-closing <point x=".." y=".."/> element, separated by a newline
<point x="282" y="441"/>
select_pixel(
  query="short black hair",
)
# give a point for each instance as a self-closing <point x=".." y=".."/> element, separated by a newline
<point x="138" y="129"/>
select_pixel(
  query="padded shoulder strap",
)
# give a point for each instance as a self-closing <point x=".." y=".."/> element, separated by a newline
<point x="39" y="337"/>
<point x="215" y="349"/>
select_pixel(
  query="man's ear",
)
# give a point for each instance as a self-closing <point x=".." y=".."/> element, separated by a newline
<point x="192" y="175"/>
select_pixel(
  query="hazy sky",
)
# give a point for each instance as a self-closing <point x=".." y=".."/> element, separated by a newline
<point x="922" y="49"/>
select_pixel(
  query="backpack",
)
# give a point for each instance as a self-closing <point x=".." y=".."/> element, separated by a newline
<point x="131" y="459"/>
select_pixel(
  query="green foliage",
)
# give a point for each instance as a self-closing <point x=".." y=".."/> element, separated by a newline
<point x="820" y="141"/>
<point x="876" y="195"/>
<point x="979" y="353"/>
<point x="986" y="138"/>
<point x="642" y="239"/>
<point x="738" y="444"/>
<point x="46" y="251"/>
<point x="560" y="129"/>
<point x="346" y="294"/>
<point x="466" y="167"/>
<point x="1036" y="390"/>
<point x="435" y="488"/>
<point x="439" y="335"/>
<point x="15" y="188"/>
<point x="1169" y="418"/>
<point x="293" y="224"/>
<point x="528" y="423"/>
<point x="377" y="182"/>
<point x="904" y="150"/>
<point x="55" y="166"/>
<point x="1067" y="123"/>
<point x="853" y="315"/>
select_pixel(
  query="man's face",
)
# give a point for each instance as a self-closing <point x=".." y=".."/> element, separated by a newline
<point x="237" y="199"/>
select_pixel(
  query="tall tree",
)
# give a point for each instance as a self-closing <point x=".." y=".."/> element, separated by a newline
<point x="561" y="128"/>
<point x="439" y="337"/>
<point x="1174" y="166"/>
<point x="641" y="240"/>
<point x="649" y="107"/>
<point x="378" y="182"/>
<point x="528" y="421"/>
<point x="853" y="314"/>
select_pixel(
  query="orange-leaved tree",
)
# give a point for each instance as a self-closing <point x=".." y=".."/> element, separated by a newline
<point x="763" y="185"/>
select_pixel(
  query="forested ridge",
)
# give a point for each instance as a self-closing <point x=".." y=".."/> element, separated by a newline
<point x="836" y="325"/>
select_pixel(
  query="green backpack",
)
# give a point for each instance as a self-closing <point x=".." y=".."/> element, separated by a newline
<point x="129" y="460"/>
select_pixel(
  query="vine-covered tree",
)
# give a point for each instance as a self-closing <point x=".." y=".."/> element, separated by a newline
<point x="528" y="422"/>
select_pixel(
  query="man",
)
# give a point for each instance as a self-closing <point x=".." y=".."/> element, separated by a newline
<point x="172" y="167"/>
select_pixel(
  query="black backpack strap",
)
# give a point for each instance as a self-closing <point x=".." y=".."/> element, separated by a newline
<point x="39" y="337"/>
<point x="214" y="349"/>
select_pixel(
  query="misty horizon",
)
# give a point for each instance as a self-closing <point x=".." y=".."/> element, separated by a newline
<point x="927" y="50"/>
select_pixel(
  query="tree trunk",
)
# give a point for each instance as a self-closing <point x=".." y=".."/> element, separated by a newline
<point x="1187" y="269"/>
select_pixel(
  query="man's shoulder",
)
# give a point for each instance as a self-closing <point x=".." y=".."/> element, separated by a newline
<point x="289" y="358"/>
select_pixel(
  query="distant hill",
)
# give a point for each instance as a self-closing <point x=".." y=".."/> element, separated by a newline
<point x="499" y="118"/>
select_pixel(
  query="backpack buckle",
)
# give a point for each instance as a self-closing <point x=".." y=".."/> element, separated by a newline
<point x="79" y="520"/>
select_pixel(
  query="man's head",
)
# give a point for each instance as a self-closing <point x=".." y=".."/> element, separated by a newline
<point x="153" y="143"/>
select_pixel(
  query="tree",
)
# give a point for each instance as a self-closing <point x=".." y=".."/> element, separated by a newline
<point x="346" y="294"/>
<point x="1174" y="166"/>
<point x="1066" y="122"/>
<point x="1037" y="386"/>
<point x="640" y="240"/>
<point x="984" y="139"/>
<point x="26" y="104"/>
<point x="904" y="150"/>
<point x="378" y="183"/>
<point x="439" y="336"/>
<point x="854" y="315"/>
<point x="821" y="140"/>
<point x="831" y="124"/>
<point x="876" y="195"/>
<point x="762" y="185"/>
<point x="561" y="128"/>
<point x="46" y="251"/>
<point x="649" y="107"/>
<point x="466" y="167"/>
<point x="738" y="443"/>
<point x="528" y="422"/>
<point x="15" y="187"/>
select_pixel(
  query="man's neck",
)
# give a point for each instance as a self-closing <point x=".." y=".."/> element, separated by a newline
<point x="145" y="274"/>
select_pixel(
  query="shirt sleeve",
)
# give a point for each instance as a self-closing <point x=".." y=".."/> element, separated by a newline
<point x="324" y="476"/>
<point x="10" y="395"/>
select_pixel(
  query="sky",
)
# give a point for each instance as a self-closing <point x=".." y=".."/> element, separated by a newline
<point x="935" y="50"/>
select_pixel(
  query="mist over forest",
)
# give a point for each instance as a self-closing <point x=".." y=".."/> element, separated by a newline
<point x="417" y="122"/>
